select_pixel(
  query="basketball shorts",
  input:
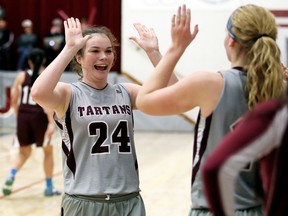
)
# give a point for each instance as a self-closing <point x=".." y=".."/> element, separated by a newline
<point x="256" y="211"/>
<point x="31" y="128"/>
<point x="127" y="205"/>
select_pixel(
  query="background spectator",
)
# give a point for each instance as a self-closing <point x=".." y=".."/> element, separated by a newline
<point x="6" y="39"/>
<point x="2" y="12"/>
<point x="54" y="41"/>
<point x="26" y="42"/>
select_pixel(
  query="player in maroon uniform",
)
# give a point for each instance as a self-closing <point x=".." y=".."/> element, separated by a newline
<point x="261" y="134"/>
<point x="34" y="125"/>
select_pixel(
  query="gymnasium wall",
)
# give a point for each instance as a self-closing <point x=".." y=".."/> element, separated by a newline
<point x="206" y="52"/>
<point x="142" y="121"/>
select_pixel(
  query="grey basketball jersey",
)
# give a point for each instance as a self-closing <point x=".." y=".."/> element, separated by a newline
<point x="210" y="131"/>
<point x="98" y="143"/>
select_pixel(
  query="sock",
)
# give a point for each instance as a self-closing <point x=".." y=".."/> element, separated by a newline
<point x="49" y="183"/>
<point x="12" y="174"/>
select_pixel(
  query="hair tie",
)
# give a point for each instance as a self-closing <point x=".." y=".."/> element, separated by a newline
<point x="262" y="35"/>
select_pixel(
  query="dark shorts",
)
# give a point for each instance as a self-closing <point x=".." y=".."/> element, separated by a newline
<point x="31" y="128"/>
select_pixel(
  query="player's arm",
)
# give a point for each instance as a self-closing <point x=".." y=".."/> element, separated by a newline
<point x="133" y="91"/>
<point x="51" y="123"/>
<point x="152" y="90"/>
<point x="47" y="91"/>
<point x="148" y="41"/>
<point x="16" y="90"/>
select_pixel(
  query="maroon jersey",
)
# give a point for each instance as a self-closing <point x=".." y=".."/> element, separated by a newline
<point x="26" y="102"/>
<point x="261" y="135"/>
<point x="32" y="121"/>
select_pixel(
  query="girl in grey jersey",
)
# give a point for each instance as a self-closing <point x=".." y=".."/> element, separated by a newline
<point x="256" y="75"/>
<point x="95" y="118"/>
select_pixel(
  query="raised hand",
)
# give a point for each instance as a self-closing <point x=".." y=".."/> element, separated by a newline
<point x="180" y="28"/>
<point x="73" y="33"/>
<point x="147" y="40"/>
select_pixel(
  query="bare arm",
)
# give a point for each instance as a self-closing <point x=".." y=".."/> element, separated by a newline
<point x="148" y="41"/>
<point x="51" y="124"/>
<point x="46" y="90"/>
<point x="153" y="88"/>
<point x="15" y="91"/>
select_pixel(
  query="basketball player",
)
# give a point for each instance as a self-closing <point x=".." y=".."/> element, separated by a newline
<point x="255" y="75"/>
<point x="34" y="125"/>
<point x="261" y="135"/>
<point x="96" y="122"/>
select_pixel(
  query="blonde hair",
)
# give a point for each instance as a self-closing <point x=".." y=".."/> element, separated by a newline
<point x="255" y="30"/>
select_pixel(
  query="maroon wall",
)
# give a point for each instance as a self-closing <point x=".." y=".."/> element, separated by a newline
<point x="42" y="12"/>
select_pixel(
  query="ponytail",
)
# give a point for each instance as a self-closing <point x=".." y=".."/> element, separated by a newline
<point x="255" y="30"/>
<point x="264" y="72"/>
<point x="37" y="56"/>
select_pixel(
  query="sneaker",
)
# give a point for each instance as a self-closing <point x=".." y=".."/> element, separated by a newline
<point x="7" y="189"/>
<point x="51" y="192"/>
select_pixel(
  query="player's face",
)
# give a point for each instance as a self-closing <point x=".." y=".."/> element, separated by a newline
<point x="98" y="57"/>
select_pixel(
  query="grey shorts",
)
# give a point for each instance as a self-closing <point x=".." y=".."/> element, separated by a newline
<point x="127" y="205"/>
<point x="256" y="211"/>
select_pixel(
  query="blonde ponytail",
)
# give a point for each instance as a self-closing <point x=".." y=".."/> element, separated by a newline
<point x="256" y="32"/>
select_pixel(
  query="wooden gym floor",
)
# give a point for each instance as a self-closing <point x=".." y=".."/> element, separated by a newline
<point x="165" y="171"/>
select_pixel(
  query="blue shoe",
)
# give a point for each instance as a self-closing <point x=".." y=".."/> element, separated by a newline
<point x="51" y="192"/>
<point x="7" y="188"/>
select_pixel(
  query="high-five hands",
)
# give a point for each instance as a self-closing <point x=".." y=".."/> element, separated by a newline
<point x="147" y="40"/>
<point x="73" y="33"/>
<point x="180" y="28"/>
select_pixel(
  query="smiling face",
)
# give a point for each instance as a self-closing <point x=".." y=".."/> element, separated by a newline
<point x="97" y="59"/>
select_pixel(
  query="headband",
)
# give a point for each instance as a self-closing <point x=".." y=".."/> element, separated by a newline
<point x="229" y="27"/>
